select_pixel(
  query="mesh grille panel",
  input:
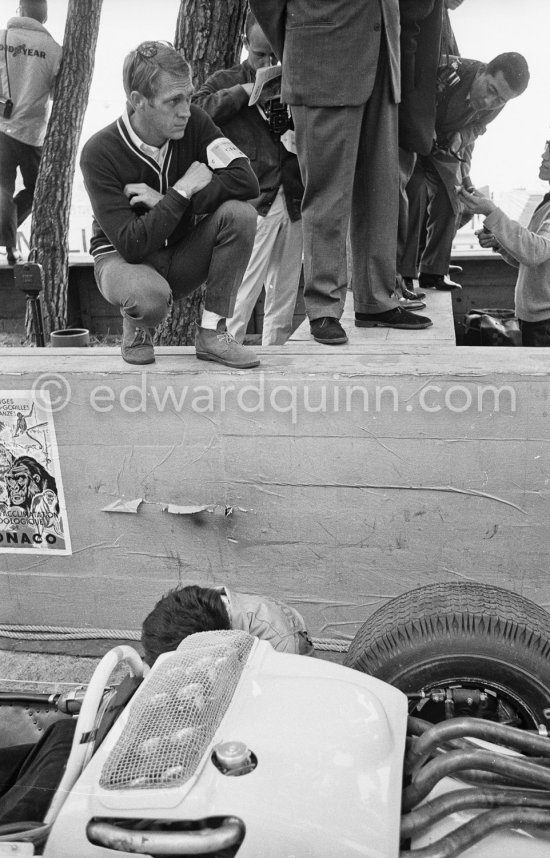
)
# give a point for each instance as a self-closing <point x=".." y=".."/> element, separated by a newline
<point x="178" y="712"/>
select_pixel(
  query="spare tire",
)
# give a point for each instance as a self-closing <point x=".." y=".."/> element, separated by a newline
<point x="461" y="649"/>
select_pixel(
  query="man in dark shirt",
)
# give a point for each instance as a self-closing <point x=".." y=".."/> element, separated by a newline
<point x="167" y="191"/>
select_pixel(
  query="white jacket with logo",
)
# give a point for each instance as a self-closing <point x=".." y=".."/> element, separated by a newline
<point x="33" y="59"/>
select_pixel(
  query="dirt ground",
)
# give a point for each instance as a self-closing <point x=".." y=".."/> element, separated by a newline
<point x="16" y="340"/>
<point x="46" y="673"/>
<point x="11" y="339"/>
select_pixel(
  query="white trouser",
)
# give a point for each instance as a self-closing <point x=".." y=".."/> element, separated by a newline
<point x="275" y="262"/>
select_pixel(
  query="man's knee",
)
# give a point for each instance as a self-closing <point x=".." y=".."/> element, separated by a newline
<point x="139" y="290"/>
<point x="150" y="307"/>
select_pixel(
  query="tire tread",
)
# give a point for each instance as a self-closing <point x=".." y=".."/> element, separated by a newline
<point x="450" y="610"/>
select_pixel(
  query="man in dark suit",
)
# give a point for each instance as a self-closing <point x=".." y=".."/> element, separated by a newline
<point x="421" y="31"/>
<point x="341" y="76"/>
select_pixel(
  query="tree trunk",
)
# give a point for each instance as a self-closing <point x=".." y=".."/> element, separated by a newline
<point x="208" y="34"/>
<point x="52" y="201"/>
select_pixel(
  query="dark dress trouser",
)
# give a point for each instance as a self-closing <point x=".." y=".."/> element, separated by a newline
<point x="349" y="162"/>
<point x="441" y="225"/>
<point x="15" y="209"/>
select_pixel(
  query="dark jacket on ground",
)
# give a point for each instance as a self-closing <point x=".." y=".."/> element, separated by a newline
<point x="226" y="102"/>
<point x="110" y="160"/>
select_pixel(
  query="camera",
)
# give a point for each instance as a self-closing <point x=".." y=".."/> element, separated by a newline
<point x="278" y="116"/>
<point x="6" y="107"/>
<point x="29" y="277"/>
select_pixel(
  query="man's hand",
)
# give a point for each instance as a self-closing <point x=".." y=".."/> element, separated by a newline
<point x="475" y="203"/>
<point x="486" y="239"/>
<point x="197" y="177"/>
<point x="141" y="194"/>
<point x="248" y="87"/>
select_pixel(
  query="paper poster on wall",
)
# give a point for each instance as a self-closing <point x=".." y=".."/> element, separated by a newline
<point x="33" y="514"/>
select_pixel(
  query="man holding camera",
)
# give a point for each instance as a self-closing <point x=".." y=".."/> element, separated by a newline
<point x="263" y="133"/>
<point x="29" y="62"/>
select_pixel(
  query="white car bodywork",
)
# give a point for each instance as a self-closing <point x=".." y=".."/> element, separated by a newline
<point x="326" y="745"/>
<point x="329" y="742"/>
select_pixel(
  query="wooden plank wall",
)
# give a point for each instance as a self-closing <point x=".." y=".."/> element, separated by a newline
<point x="352" y="475"/>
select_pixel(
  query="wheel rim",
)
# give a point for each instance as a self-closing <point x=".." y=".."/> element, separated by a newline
<point x="505" y="705"/>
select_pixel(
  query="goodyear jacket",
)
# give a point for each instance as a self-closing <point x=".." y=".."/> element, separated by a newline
<point x="30" y="59"/>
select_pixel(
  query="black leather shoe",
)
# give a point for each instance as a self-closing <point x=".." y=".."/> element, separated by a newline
<point x="411" y="304"/>
<point x="328" y="331"/>
<point x="438" y="281"/>
<point x="396" y="318"/>
<point x="408" y="290"/>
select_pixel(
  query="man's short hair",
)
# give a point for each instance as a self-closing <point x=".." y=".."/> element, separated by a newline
<point x="37" y="9"/>
<point x="144" y="66"/>
<point x="514" y="69"/>
<point x="182" y="612"/>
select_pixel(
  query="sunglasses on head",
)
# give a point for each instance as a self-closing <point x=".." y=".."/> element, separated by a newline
<point x="148" y="50"/>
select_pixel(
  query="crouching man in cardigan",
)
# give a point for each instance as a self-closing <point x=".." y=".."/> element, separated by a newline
<point x="168" y="193"/>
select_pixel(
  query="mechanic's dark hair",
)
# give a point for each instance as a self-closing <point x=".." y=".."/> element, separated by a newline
<point x="514" y="69"/>
<point x="37" y="9"/>
<point x="249" y="22"/>
<point x="182" y="612"/>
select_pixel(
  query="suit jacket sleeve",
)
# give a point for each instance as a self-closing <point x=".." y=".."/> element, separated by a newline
<point x="271" y="16"/>
<point x="412" y="12"/>
<point x="420" y="45"/>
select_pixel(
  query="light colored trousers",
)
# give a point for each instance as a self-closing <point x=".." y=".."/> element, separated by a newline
<point x="275" y="262"/>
